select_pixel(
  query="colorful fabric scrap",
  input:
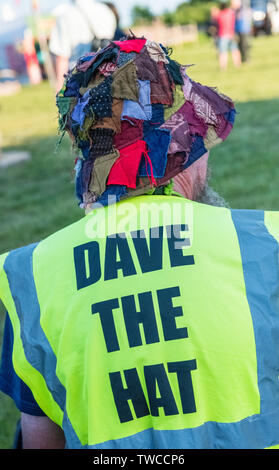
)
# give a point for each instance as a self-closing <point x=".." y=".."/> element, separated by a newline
<point x="197" y="150"/>
<point x="178" y="101"/>
<point x="78" y="114"/>
<point x="111" y="195"/>
<point x="162" y="91"/>
<point x="180" y="133"/>
<point x="107" y="68"/>
<point x="100" y="172"/>
<point x="84" y="147"/>
<point x="174" y="70"/>
<point x="131" y="131"/>
<point x="64" y="106"/>
<point x="125" y="57"/>
<point x="113" y="122"/>
<point x="141" y="109"/>
<point x="86" y="69"/>
<point x="72" y="88"/>
<point x="157" y="143"/>
<point x="78" y="180"/>
<point x="102" y="141"/>
<point x="125" y="84"/>
<point x="157" y="118"/>
<point x="125" y="169"/>
<point x="137" y="120"/>
<point x="176" y="163"/>
<point x="132" y="45"/>
<point x="146" y="67"/>
<point x="196" y="124"/>
<point x="100" y="99"/>
<point x="156" y="52"/>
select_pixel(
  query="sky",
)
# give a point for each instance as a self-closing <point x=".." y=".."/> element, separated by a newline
<point x="12" y="9"/>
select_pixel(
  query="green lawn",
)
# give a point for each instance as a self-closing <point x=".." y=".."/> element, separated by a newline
<point x="37" y="197"/>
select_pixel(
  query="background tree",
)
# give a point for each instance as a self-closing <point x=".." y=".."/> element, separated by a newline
<point x="194" y="11"/>
<point x="141" y="15"/>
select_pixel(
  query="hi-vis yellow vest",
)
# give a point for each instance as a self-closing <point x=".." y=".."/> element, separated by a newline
<point x="152" y="323"/>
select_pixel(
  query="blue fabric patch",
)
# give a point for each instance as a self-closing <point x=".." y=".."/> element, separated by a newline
<point x="260" y="255"/>
<point x="158" y="142"/>
<point x="74" y="128"/>
<point x="78" y="114"/>
<point x="112" y="194"/>
<point x="157" y="118"/>
<point x="86" y="58"/>
<point x="230" y="116"/>
<point x="36" y="346"/>
<point x="84" y="146"/>
<point x="142" y="109"/>
<point x="72" y="88"/>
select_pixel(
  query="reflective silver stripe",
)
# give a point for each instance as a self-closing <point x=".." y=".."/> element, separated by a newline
<point x="248" y="433"/>
<point x="72" y="440"/>
<point x="259" y="253"/>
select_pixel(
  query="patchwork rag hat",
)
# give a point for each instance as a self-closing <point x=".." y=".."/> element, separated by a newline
<point x="136" y="120"/>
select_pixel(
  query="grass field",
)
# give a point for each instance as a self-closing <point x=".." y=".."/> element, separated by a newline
<point x="37" y="197"/>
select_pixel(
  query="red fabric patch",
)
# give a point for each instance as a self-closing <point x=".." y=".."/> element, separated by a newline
<point x="124" y="171"/>
<point x="132" y="45"/>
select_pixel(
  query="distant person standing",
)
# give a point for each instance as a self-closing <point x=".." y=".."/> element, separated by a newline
<point x="243" y="27"/>
<point x="119" y="33"/>
<point x="212" y="30"/>
<point x="82" y="23"/>
<point x="225" y="20"/>
<point x="31" y="59"/>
